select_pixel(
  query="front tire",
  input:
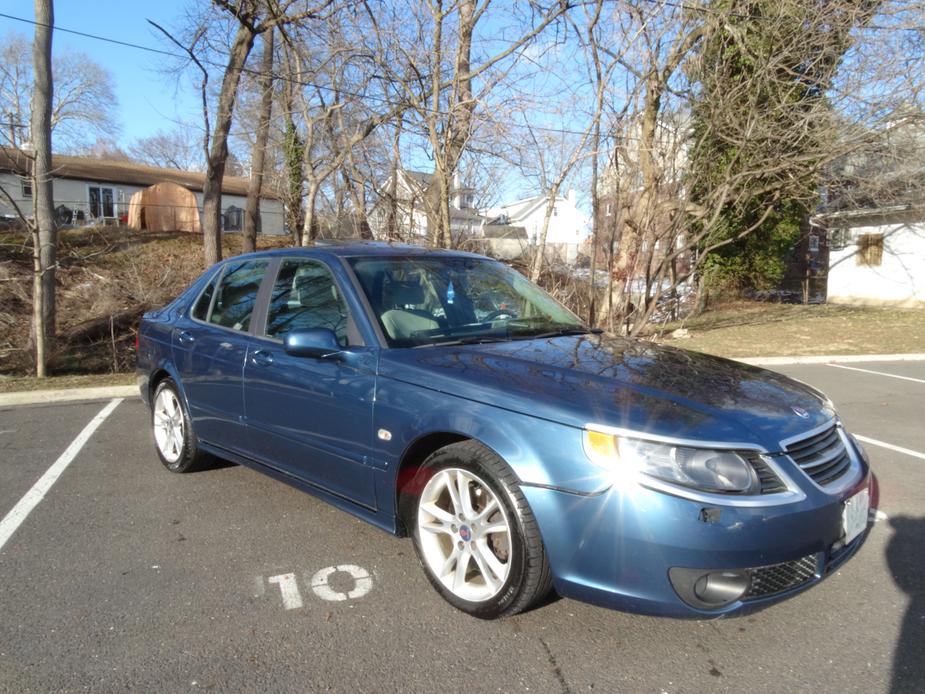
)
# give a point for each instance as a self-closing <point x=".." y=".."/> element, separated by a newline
<point x="475" y="535"/>
<point x="173" y="433"/>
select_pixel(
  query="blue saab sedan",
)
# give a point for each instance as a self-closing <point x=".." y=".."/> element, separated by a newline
<point x="440" y="394"/>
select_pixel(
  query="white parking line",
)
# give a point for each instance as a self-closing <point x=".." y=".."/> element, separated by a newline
<point x="24" y="507"/>
<point x="878" y="373"/>
<point x="890" y="446"/>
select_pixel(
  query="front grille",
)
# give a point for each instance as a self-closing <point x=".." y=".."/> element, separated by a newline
<point x="822" y="456"/>
<point x="770" y="580"/>
<point x="770" y="483"/>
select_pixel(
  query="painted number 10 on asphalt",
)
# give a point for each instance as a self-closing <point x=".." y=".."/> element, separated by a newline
<point x="320" y="585"/>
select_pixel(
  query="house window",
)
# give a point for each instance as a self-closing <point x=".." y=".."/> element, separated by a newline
<point x="101" y="202"/>
<point x="25" y="184"/>
<point x="813" y="243"/>
<point x="870" y="250"/>
<point x="838" y="239"/>
<point x="234" y="218"/>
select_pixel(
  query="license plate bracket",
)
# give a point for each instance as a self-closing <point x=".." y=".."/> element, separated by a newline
<point x="854" y="515"/>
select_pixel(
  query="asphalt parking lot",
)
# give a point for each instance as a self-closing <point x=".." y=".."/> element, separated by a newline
<point x="127" y="577"/>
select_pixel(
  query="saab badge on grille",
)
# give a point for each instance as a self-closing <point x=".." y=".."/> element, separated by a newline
<point x="799" y="412"/>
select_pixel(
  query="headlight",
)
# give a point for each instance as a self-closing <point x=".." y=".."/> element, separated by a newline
<point x="698" y="468"/>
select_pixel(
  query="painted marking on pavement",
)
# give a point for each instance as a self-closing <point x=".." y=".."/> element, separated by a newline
<point x="24" y="507"/>
<point x="890" y="446"/>
<point x="877" y="373"/>
<point x="362" y="580"/>
<point x="292" y="599"/>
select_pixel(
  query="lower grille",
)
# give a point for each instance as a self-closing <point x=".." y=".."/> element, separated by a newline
<point x="770" y="580"/>
<point x="822" y="456"/>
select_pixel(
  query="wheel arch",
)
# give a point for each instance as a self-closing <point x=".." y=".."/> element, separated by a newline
<point x="415" y="454"/>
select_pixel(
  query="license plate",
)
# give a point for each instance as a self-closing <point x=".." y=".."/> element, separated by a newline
<point x="854" y="516"/>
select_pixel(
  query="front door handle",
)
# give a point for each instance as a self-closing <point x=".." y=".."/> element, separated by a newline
<point x="261" y="358"/>
<point x="185" y="338"/>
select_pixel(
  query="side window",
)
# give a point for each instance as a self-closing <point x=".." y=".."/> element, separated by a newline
<point x="237" y="290"/>
<point x="201" y="307"/>
<point x="306" y="296"/>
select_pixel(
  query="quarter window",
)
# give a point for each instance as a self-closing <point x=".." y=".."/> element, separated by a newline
<point x="306" y="296"/>
<point x="237" y="290"/>
<point x="201" y="308"/>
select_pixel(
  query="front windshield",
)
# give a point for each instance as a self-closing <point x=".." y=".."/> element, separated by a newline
<point x="439" y="300"/>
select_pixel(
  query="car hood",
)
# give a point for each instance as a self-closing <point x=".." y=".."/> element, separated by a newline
<point x="619" y="382"/>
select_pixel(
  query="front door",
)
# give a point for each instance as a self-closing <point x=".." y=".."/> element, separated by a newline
<point x="310" y="417"/>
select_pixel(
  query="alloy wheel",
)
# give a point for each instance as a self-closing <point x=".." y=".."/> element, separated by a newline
<point x="168" y="425"/>
<point x="464" y="534"/>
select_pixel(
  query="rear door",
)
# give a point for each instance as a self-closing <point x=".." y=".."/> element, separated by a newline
<point x="210" y="347"/>
<point x="310" y="417"/>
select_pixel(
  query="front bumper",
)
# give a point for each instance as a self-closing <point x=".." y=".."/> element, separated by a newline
<point x="617" y="548"/>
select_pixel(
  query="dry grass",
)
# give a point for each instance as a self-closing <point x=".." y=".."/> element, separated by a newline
<point x="745" y="329"/>
<point x="15" y="385"/>
<point x="107" y="277"/>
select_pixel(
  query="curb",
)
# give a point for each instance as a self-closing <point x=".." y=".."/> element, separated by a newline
<point x="44" y="397"/>
<point x="829" y="359"/>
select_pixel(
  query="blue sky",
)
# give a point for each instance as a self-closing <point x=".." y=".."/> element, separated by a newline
<point x="148" y="100"/>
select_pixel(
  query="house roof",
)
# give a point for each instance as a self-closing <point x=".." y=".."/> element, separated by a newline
<point x="127" y="173"/>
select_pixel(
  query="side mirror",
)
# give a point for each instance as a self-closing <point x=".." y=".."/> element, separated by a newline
<point x="311" y="342"/>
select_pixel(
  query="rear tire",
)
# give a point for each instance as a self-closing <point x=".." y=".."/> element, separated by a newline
<point x="475" y="535"/>
<point x="174" y="439"/>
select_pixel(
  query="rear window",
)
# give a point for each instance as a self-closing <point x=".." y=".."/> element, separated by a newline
<point x="234" y="295"/>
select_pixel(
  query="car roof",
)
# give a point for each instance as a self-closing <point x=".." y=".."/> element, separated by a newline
<point x="356" y="249"/>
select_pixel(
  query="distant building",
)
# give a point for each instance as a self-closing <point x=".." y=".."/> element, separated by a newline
<point x="568" y="225"/>
<point x="410" y="208"/>
<point x="876" y="256"/>
<point x="873" y="218"/>
<point x="98" y="191"/>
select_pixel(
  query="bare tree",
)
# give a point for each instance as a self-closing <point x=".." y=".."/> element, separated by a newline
<point x="84" y="106"/>
<point x="434" y="70"/>
<point x="44" y="234"/>
<point x="259" y="152"/>
<point x="252" y="18"/>
<point x="169" y="149"/>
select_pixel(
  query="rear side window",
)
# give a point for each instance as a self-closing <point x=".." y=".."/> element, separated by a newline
<point x="235" y="295"/>
<point x="201" y="307"/>
<point x="306" y="296"/>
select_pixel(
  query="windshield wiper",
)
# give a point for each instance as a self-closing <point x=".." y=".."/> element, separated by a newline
<point x="560" y="332"/>
<point x="470" y="340"/>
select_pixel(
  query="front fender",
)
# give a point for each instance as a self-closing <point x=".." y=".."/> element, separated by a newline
<point x="539" y="452"/>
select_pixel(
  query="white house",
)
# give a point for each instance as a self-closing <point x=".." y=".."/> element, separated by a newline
<point x="88" y="191"/>
<point x="410" y="210"/>
<point x="876" y="256"/>
<point x="568" y="226"/>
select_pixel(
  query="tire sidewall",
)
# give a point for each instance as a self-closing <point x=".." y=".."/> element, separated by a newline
<point x="188" y="454"/>
<point x="500" y="603"/>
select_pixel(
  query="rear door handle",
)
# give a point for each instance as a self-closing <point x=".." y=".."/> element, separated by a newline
<point x="261" y="358"/>
<point x="185" y="338"/>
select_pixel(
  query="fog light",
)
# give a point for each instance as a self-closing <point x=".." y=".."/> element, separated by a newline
<point x="710" y="590"/>
<point x="721" y="587"/>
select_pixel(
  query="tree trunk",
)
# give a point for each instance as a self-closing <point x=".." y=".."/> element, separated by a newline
<point x="258" y="157"/>
<point x="540" y="244"/>
<point x="310" y="226"/>
<point x="45" y="241"/>
<point x="218" y="154"/>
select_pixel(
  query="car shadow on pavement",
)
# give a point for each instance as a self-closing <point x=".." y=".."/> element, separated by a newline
<point x="907" y="565"/>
